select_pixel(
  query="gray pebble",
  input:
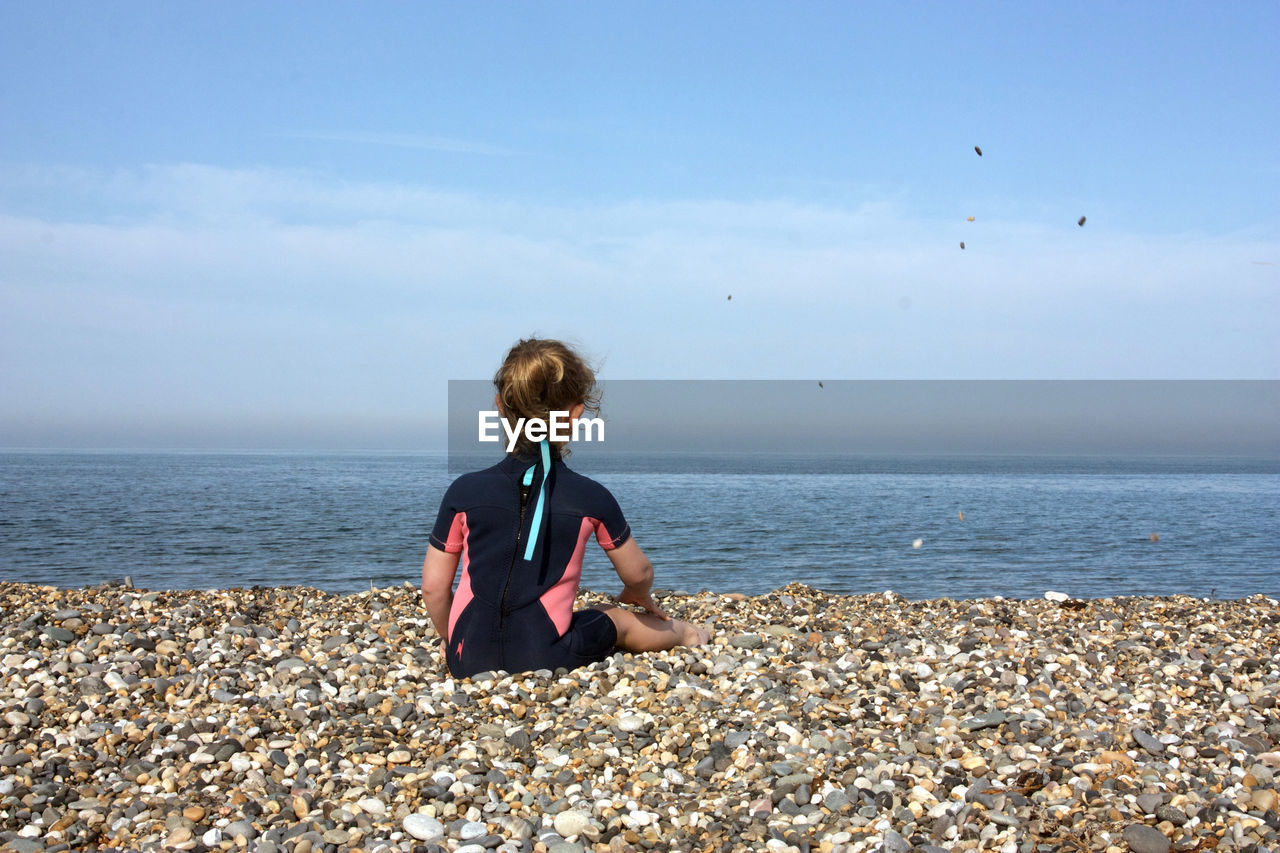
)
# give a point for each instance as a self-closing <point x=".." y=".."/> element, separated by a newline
<point x="1145" y="839"/>
<point x="564" y="847"/>
<point x="238" y="828"/>
<point x="1148" y="742"/>
<point x="895" y="843"/>
<point x="984" y="721"/>
<point x="1149" y="802"/>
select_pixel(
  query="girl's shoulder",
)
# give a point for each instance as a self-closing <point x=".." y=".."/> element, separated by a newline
<point x="591" y="492"/>
<point x="479" y="482"/>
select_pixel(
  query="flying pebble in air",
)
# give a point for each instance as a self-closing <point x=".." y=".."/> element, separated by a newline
<point x="1080" y="221"/>
<point x="819" y="383"/>
<point x="970" y="219"/>
<point x="1155" y="537"/>
<point x="979" y="150"/>
<point x="961" y="244"/>
<point x="730" y="299"/>
<point x="917" y="543"/>
<point x="962" y="515"/>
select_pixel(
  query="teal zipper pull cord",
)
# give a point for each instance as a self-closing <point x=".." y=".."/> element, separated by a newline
<point x="536" y="525"/>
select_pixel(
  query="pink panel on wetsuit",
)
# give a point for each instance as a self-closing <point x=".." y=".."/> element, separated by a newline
<point x="457" y="534"/>
<point x="463" y="596"/>
<point x="603" y="537"/>
<point x="558" y="601"/>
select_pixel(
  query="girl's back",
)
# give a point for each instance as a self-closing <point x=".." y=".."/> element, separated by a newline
<point x="513" y="613"/>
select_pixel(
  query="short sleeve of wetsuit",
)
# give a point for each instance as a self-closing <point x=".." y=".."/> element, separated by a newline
<point x="451" y="523"/>
<point x="611" y="527"/>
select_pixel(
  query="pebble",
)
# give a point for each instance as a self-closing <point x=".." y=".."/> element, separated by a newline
<point x="631" y="723"/>
<point x="372" y="806"/>
<point x="893" y="842"/>
<point x="423" y="827"/>
<point x="295" y="720"/>
<point x="1147" y="742"/>
<point x="1145" y="839"/>
<point x="1149" y="802"/>
<point x="572" y="822"/>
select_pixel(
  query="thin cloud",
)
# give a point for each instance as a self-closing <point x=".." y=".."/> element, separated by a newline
<point x="175" y="290"/>
<point x="447" y="144"/>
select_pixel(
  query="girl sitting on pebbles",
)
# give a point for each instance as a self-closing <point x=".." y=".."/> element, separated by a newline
<point x="520" y="529"/>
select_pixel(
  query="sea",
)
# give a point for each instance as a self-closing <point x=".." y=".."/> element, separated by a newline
<point x="942" y="526"/>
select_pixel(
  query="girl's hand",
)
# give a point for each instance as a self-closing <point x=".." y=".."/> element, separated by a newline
<point x="642" y="599"/>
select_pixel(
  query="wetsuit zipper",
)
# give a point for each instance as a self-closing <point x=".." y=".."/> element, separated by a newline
<point x="524" y="503"/>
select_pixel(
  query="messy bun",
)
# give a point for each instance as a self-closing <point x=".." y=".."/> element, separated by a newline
<point x="539" y="377"/>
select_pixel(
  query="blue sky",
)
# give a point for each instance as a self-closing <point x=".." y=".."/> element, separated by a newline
<point x="290" y="225"/>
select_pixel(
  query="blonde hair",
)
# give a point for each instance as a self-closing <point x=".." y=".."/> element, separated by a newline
<point x="541" y="376"/>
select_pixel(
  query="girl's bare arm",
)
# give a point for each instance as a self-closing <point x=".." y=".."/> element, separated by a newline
<point x="438" y="571"/>
<point x="636" y="572"/>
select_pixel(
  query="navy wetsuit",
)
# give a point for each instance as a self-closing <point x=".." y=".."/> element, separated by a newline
<point x="513" y="609"/>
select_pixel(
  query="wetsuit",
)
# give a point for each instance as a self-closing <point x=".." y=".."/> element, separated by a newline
<point x="522" y="537"/>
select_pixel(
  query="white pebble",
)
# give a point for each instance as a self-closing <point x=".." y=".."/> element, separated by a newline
<point x="423" y="828"/>
<point x="631" y="723"/>
<point x="1052" y="595"/>
<point x="917" y="543"/>
<point x="370" y="805"/>
<point x="571" y="822"/>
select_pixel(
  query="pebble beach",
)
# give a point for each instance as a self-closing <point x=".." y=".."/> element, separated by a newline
<point x="289" y="719"/>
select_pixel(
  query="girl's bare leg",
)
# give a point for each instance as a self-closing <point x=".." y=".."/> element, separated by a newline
<point x="644" y="632"/>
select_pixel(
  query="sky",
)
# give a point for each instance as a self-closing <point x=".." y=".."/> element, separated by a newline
<point x="289" y="225"/>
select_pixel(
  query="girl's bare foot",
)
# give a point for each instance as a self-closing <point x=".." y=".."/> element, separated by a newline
<point x="694" y="635"/>
<point x="645" y="632"/>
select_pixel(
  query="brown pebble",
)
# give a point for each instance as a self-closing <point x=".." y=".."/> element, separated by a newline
<point x="195" y="814"/>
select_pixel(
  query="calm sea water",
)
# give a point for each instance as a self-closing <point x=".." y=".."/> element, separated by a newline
<point x="721" y="522"/>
